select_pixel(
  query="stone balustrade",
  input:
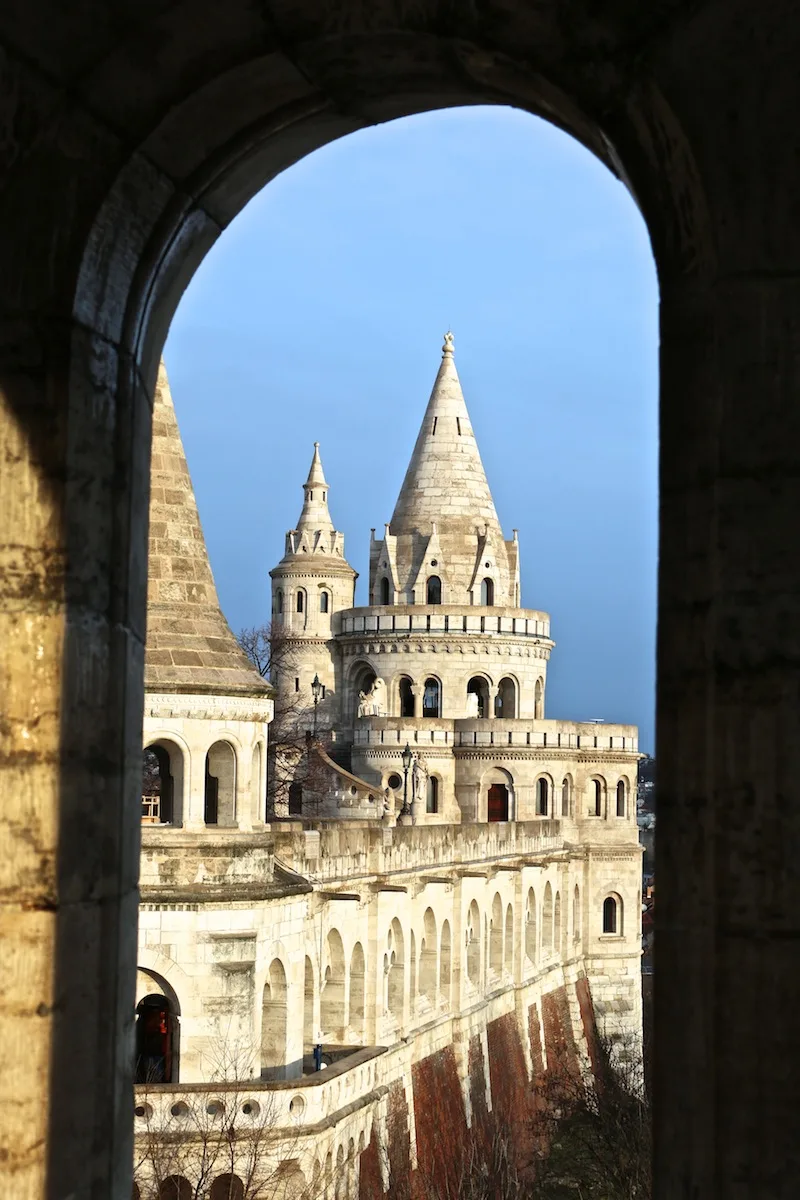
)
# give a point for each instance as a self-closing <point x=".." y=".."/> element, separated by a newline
<point x="491" y="731"/>
<point x="450" y="619"/>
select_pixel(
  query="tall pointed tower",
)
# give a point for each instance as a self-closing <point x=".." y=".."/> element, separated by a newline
<point x="206" y="707"/>
<point x="312" y="581"/>
<point x="444" y="527"/>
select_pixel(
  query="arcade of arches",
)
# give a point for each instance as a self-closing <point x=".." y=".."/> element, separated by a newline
<point x="116" y="179"/>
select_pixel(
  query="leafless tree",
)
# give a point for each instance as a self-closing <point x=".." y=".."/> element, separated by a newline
<point x="274" y="655"/>
<point x="224" y="1140"/>
<point x="593" y="1133"/>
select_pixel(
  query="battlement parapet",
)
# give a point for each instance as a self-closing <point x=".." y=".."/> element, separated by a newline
<point x="517" y="733"/>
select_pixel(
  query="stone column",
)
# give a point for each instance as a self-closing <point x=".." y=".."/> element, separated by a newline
<point x="417" y="691"/>
<point x="74" y="448"/>
<point x="727" y="921"/>
<point x="493" y="690"/>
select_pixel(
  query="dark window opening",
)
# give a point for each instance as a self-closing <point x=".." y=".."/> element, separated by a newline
<point x="477" y="686"/>
<point x="211" y="799"/>
<point x="158" y="787"/>
<point x="458" y="425"/>
<point x="324" y="602"/>
<point x="432" y="798"/>
<point x="433" y="431"/>
<point x="487" y="593"/>
<point x="621" y="798"/>
<point x="154" y="1033"/>
<point x="542" y="797"/>
<point x="394" y="781"/>
<point x="295" y="799"/>
<point x="431" y="699"/>
<point x="598" y="797"/>
<point x="279" y="601"/>
<point x="609" y="915"/>
<point x="406" y="697"/>
<point x="297" y="683"/>
<point x="434" y="590"/>
<point x="300" y="601"/>
<point x="384" y="590"/>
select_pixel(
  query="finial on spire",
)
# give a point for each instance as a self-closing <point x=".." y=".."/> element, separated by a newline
<point x="449" y="344"/>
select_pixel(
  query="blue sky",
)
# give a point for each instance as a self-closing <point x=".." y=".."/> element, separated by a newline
<point x="319" y="315"/>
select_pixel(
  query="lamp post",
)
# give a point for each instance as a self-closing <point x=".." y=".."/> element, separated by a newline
<point x="316" y="690"/>
<point x="407" y="756"/>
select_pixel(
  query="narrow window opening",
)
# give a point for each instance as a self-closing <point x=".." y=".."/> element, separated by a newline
<point x="301" y="601"/>
<point x="323" y="602"/>
<point x="384" y="590"/>
<point x="609" y="915"/>
<point x="433" y="431"/>
<point x="433" y="590"/>
<point x="297" y="683"/>
<point x="458" y="425"/>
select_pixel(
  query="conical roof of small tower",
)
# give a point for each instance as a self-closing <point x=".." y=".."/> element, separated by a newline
<point x="190" y="647"/>
<point x="445" y="483"/>
<point x="316" y="514"/>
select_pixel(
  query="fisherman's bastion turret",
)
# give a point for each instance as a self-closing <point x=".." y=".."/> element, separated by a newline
<point x="445" y="901"/>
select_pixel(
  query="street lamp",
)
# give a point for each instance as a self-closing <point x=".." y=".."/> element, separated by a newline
<point x="316" y="690"/>
<point x="407" y="757"/>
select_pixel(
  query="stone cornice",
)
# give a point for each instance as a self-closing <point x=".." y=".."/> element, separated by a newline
<point x="175" y="706"/>
<point x="421" y="642"/>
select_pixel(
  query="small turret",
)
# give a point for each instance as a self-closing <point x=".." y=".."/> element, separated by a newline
<point x="312" y="581"/>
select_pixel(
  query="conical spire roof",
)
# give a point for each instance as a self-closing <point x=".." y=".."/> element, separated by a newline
<point x="445" y="483"/>
<point x="190" y="647"/>
<point x="315" y="515"/>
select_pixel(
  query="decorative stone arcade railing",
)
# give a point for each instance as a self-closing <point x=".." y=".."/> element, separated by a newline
<point x="338" y="850"/>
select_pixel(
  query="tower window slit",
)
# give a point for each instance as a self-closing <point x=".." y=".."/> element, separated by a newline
<point x="509" y="737"/>
<point x="433" y="431"/>
<point x="296" y="683"/>
<point x="458" y="425"/>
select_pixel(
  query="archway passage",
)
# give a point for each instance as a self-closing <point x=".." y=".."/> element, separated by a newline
<point x="220" y="785"/>
<point x="477" y="697"/>
<point x="107" y="251"/>
<point x="498" y="802"/>
<point x="154" y="1037"/>
<point x="405" y="696"/>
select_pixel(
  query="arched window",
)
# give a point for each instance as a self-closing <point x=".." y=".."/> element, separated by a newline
<point x="496" y="936"/>
<point x="227" y="1187"/>
<point x="477" y="697"/>
<point x="508" y="942"/>
<point x="301" y="600"/>
<point x="220" y="785"/>
<point x="621" y="798"/>
<point x="256" y="785"/>
<point x="432" y="798"/>
<point x="610" y="915"/>
<point x="395" y="971"/>
<point x="597" y="789"/>
<point x="434" y="590"/>
<point x="530" y="926"/>
<point x="309" y="1018"/>
<point x="274" y="1022"/>
<point x="473" y="940"/>
<point x="384" y="590"/>
<point x="324" y="601"/>
<point x="565" y="797"/>
<point x="158" y="784"/>
<point x="538" y="701"/>
<point x="432" y="699"/>
<point x="542" y="797"/>
<point x="175" y="1187"/>
<point x="557" y="924"/>
<point x="487" y="592"/>
<point x="279" y="601"/>
<point x="505" y="703"/>
<point x="154" y="1036"/>
<point x="357" y="982"/>
<point x="331" y="1000"/>
<point x="445" y="966"/>
<point x="406" y="696"/>
<point x="427" y="958"/>
<point x="547" y="920"/>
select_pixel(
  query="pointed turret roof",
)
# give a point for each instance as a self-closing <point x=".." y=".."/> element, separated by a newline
<point x="315" y="515"/>
<point x="445" y="482"/>
<point x="190" y="647"/>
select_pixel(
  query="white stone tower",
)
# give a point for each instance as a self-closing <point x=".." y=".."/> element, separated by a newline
<point x="311" y="583"/>
<point x="445" y="527"/>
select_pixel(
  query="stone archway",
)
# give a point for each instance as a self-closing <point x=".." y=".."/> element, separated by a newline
<point x="118" y="182"/>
